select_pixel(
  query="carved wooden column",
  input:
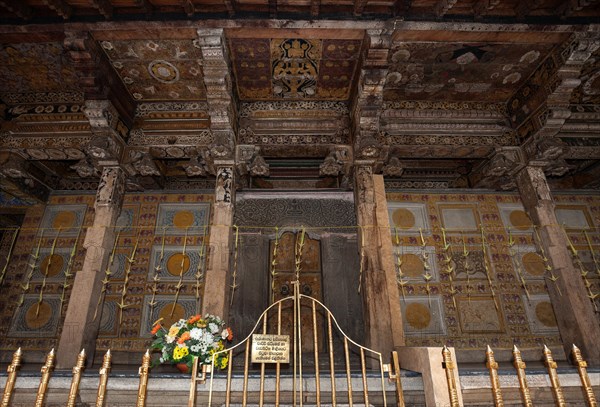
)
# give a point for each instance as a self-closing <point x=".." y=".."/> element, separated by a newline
<point x="80" y="329"/>
<point x="216" y="282"/>
<point x="379" y="289"/>
<point x="577" y="322"/>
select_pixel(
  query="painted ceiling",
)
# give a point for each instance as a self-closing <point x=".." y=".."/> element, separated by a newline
<point x="35" y="67"/>
<point x="486" y="72"/>
<point x="588" y="92"/>
<point x="158" y="70"/>
<point x="294" y="68"/>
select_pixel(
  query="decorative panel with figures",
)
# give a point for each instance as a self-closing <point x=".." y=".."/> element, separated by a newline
<point x="493" y="276"/>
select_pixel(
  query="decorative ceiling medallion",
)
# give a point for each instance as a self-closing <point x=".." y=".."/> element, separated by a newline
<point x="295" y="68"/>
<point x="163" y="71"/>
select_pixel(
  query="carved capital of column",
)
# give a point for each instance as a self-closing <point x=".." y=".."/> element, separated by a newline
<point x="393" y="168"/>
<point x="143" y="164"/>
<point x="111" y="188"/>
<point x="499" y="170"/>
<point x="106" y="146"/>
<point x="101" y="114"/>
<point x="338" y="161"/>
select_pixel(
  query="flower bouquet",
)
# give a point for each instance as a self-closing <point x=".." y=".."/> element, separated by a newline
<point x="196" y="336"/>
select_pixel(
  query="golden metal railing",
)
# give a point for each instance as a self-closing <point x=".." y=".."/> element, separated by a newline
<point x="304" y="311"/>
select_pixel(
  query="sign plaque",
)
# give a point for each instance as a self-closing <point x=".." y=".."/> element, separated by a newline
<point x="270" y="348"/>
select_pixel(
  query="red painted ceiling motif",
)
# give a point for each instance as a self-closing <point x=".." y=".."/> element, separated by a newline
<point x="158" y="70"/>
<point x="35" y="67"/>
<point x="294" y="68"/>
<point x="485" y="72"/>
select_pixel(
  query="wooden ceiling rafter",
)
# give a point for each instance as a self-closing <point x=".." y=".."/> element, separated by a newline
<point x="19" y="8"/>
<point x="104" y="7"/>
<point x="315" y="6"/>
<point x="61" y="7"/>
<point x="442" y="7"/>
<point x="525" y="7"/>
<point x="359" y="7"/>
<point x="568" y="8"/>
<point x="483" y="7"/>
<point x="188" y="7"/>
<point x="273" y="8"/>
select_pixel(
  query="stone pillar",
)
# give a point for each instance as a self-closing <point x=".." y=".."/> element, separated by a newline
<point x="577" y="322"/>
<point x="216" y="283"/>
<point x="379" y="289"/>
<point x="80" y="329"/>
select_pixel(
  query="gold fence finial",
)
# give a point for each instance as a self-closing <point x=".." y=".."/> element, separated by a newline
<point x="521" y="375"/>
<point x="449" y="368"/>
<point x="143" y="372"/>
<point x="104" y="370"/>
<point x="46" y="370"/>
<point x="556" y="389"/>
<point x="583" y="376"/>
<point x="77" y="369"/>
<point x="492" y="365"/>
<point x="12" y="377"/>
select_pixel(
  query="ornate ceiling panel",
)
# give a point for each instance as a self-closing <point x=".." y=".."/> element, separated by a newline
<point x="158" y="70"/>
<point x="589" y="90"/>
<point x="294" y="68"/>
<point x="32" y="68"/>
<point x="483" y="71"/>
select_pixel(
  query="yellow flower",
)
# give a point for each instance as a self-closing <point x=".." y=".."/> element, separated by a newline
<point x="173" y="331"/>
<point x="224" y="361"/>
<point x="179" y="353"/>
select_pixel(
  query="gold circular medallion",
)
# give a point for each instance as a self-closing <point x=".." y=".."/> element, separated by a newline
<point x="403" y="218"/>
<point x="545" y="314"/>
<point x="520" y="220"/>
<point x="51" y="265"/>
<point x="44" y="314"/>
<point x="175" y="263"/>
<point x="64" y="220"/>
<point x="170" y="318"/>
<point x="183" y="219"/>
<point x="533" y="264"/>
<point x="418" y="315"/>
<point x="412" y="265"/>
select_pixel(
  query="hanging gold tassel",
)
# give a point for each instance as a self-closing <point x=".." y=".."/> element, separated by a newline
<point x="12" y="378"/>
<point x="299" y="247"/>
<point x="274" y="264"/>
<point x="512" y="253"/>
<point x="181" y="272"/>
<point x="8" y="256"/>
<point x="107" y="274"/>
<point x="156" y="277"/>
<point x="129" y="260"/>
<point x="235" y="264"/>
<point x="47" y="268"/>
<point x="31" y="266"/>
<point x="68" y="273"/>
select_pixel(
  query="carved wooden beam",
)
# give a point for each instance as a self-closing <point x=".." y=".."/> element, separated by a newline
<point x="359" y="7"/>
<point x="314" y="7"/>
<point x="188" y="7"/>
<point x="145" y="5"/>
<point x="105" y="8"/>
<point x="18" y="8"/>
<point x="230" y="5"/>
<point x="442" y="7"/>
<point x="272" y="8"/>
<point x="482" y="7"/>
<point x="568" y="8"/>
<point x="525" y="7"/>
<point x="61" y="7"/>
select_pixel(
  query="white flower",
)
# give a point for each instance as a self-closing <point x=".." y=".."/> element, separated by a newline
<point x="181" y="323"/>
<point x="195" y="348"/>
<point x="170" y="339"/>
<point x="214" y="328"/>
<point x="224" y="334"/>
<point x="196" y="333"/>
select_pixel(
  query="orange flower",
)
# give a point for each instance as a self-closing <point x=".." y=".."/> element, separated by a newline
<point x="193" y="319"/>
<point x="184" y="337"/>
<point x="230" y="332"/>
<point x="155" y="329"/>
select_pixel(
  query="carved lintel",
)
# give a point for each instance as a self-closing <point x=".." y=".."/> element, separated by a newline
<point x="499" y="170"/>
<point x="111" y="188"/>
